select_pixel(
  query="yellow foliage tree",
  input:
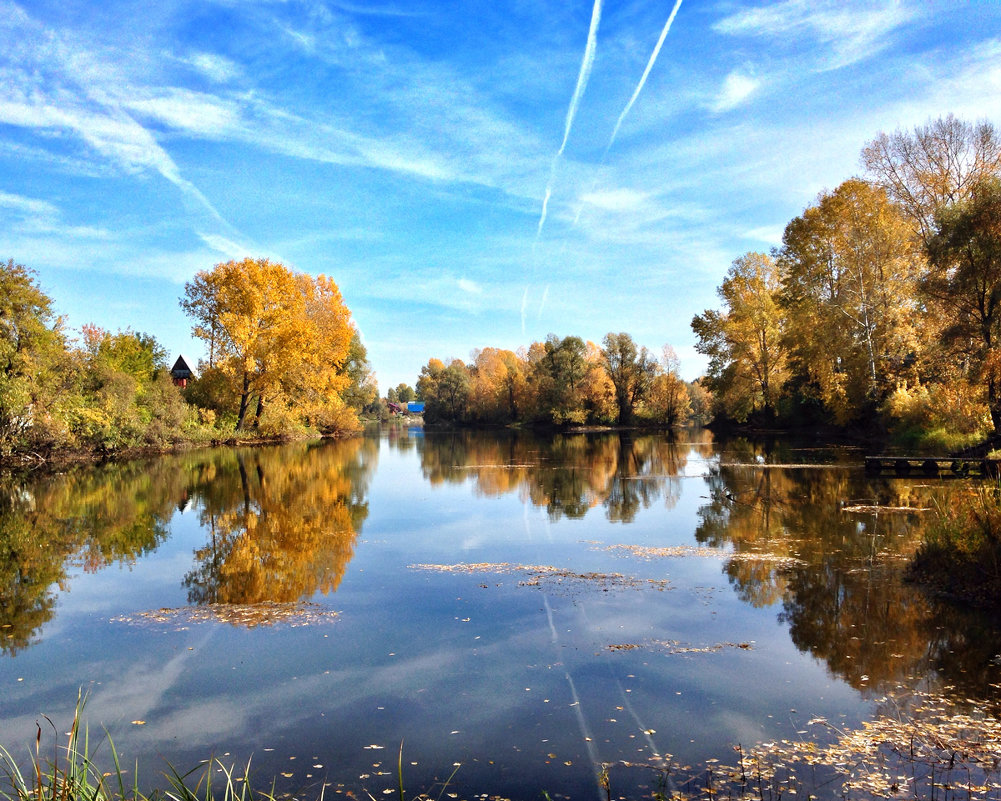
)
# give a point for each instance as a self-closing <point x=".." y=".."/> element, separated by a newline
<point x="277" y="335"/>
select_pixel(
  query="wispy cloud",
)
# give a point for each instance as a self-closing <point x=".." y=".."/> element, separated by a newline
<point x="27" y="205"/>
<point x="853" y="30"/>
<point x="619" y="200"/>
<point x="737" y="87"/>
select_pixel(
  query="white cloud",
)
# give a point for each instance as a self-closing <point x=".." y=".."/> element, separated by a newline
<point x="853" y="31"/>
<point x="184" y="110"/>
<point x="769" y="234"/>
<point x="736" y="88"/>
<point x="619" y="200"/>
<point x="470" y="286"/>
<point x="216" y="68"/>
<point x="27" y="205"/>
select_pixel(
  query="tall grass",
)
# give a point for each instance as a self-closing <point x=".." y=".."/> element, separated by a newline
<point x="72" y="773"/>
<point x="960" y="555"/>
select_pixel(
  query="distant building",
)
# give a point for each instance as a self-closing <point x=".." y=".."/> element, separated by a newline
<point x="182" y="371"/>
<point x="415" y="407"/>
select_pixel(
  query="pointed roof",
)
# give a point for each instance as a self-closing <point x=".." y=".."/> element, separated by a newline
<point x="182" y="367"/>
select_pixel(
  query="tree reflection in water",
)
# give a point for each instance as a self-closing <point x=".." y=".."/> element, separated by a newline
<point x="281" y="524"/>
<point x="567" y="474"/>
<point x="846" y="601"/>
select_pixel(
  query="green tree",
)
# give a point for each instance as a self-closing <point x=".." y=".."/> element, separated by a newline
<point x="631" y="371"/>
<point x="362" y="389"/>
<point x="32" y="348"/>
<point x="744" y="341"/>
<point x="405" y="393"/>
<point x="444" y="390"/>
<point x="965" y="254"/>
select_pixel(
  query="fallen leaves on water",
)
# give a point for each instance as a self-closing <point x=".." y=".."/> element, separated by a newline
<point x="246" y="615"/>
<point x="549" y="576"/>
<point x="645" y="552"/>
<point x="918" y="746"/>
<point x="676" y="647"/>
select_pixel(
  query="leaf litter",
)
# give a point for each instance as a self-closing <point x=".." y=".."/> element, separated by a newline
<point x="549" y="576"/>
<point x="303" y="613"/>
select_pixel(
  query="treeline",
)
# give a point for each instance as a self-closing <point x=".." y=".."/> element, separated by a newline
<point x="284" y="359"/>
<point x="563" y="382"/>
<point x="882" y="307"/>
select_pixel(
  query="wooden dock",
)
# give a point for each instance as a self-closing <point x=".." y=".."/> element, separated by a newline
<point x="933" y="466"/>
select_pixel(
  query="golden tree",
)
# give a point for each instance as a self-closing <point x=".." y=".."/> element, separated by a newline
<point x="277" y="335"/>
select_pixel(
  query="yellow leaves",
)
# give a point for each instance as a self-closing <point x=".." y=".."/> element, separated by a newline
<point x="280" y="333"/>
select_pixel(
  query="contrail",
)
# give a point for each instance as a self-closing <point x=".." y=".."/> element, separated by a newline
<point x="582" y="77"/>
<point x="646" y="72"/>
<point x="632" y="100"/>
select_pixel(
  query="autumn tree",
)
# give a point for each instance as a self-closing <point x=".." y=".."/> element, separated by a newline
<point x="669" y="403"/>
<point x="744" y="341"/>
<point x="849" y="271"/>
<point x="965" y="254"/>
<point x="497" y="389"/>
<point x="937" y="164"/>
<point x="276" y="334"/>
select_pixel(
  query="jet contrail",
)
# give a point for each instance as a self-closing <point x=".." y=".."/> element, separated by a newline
<point x="582" y="77"/>
<point x="646" y="72"/>
<point x="636" y="93"/>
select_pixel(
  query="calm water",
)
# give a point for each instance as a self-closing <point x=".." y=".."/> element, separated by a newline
<point x="529" y="608"/>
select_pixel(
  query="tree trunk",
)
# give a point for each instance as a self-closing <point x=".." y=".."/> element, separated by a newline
<point x="244" y="401"/>
<point x="994" y="403"/>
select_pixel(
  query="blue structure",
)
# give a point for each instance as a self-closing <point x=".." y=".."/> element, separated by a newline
<point x="415" y="407"/>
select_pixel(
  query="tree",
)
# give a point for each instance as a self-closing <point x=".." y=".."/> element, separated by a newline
<point x="965" y="254"/>
<point x="849" y="271"/>
<point x="744" y="342"/>
<point x="630" y="370"/>
<point x="32" y="347"/>
<point x="444" y="390"/>
<point x="362" y="389"/>
<point x="405" y="393"/>
<point x="279" y="335"/>
<point x="669" y="403"/>
<point x="938" y="164"/>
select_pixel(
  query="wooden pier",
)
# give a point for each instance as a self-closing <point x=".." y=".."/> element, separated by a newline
<point x="933" y="466"/>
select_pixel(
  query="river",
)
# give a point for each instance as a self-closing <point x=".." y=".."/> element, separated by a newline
<point x="531" y="614"/>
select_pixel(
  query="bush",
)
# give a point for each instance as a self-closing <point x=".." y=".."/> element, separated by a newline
<point x="937" y="417"/>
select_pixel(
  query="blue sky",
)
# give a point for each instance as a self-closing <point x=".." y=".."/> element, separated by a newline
<point x="407" y="149"/>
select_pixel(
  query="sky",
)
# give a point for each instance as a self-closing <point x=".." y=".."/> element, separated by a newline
<point x="471" y="174"/>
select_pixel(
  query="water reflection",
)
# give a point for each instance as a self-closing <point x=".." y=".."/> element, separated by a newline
<point x="846" y="600"/>
<point x="280" y="524"/>
<point x="567" y="474"/>
<point x="88" y="518"/>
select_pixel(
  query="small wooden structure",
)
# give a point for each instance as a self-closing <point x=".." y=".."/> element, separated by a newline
<point x="182" y="372"/>
<point x="933" y="465"/>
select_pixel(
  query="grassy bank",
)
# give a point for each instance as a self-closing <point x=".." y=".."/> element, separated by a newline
<point x="960" y="557"/>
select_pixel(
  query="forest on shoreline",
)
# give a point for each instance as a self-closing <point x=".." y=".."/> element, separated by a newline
<point x="880" y="314"/>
